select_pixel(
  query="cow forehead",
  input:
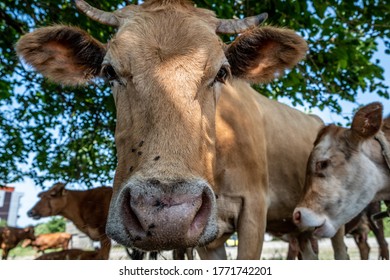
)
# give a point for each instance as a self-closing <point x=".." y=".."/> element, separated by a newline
<point x="335" y="145"/>
<point x="175" y="39"/>
<point x="329" y="142"/>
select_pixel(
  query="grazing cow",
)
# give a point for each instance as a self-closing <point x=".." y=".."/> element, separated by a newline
<point x="49" y="241"/>
<point x="88" y="210"/>
<point x="200" y="153"/>
<point x="347" y="169"/>
<point x="11" y="236"/>
<point x="71" y="254"/>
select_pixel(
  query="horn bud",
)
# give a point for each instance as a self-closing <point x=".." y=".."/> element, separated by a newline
<point x="103" y="17"/>
<point x="236" y="26"/>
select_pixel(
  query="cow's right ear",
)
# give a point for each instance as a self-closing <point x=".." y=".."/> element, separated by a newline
<point x="66" y="55"/>
<point x="367" y="121"/>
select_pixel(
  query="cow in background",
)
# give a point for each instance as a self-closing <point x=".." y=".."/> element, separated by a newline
<point x="46" y="241"/>
<point x="87" y="209"/>
<point x="10" y="237"/>
<point x="348" y="168"/>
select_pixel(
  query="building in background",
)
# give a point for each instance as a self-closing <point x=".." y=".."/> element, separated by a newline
<point x="9" y="205"/>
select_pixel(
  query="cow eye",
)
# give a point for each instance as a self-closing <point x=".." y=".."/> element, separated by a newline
<point x="109" y="73"/>
<point x="222" y="74"/>
<point x="322" y="164"/>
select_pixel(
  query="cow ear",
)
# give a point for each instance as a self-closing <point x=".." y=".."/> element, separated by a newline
<point x="367" y="121"/>
<point x="58" y="189"/>
<point x="261" y="54"/>
<point x="66" y="55"/>
<point x="64" y="192"/>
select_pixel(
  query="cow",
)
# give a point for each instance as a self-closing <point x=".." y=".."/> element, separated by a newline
<point x="71" y="254"/>
<point x="87" y="209"/>
<point x="200" y="153"/>
<point x="10" y="237"/>
<point x="46" y="241"/>
<point x="348" y="168"/>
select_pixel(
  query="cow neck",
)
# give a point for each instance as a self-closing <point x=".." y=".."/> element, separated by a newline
<point x="74" y="204"/>
<point x="381" y="138"/>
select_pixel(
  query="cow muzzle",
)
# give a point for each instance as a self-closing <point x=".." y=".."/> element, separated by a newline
<point x="33" y="214"/>
<point x="307" y="220"/>
<point x="151" y="215"/>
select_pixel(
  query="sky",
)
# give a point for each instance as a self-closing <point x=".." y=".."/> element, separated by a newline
<point x="30" y="191"/>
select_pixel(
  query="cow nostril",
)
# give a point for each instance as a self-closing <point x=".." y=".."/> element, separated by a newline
<point x="297" y="216"/>
<point x="30" y="213"/>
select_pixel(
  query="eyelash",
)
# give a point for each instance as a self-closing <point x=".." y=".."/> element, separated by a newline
<point x="222" y="75"/>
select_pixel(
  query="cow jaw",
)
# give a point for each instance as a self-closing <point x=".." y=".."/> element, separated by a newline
<point x="151" y="215"/>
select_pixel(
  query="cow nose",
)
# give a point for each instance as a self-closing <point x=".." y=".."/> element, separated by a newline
<point x="161" y="216"/>
<point x="30" y="213"/>
<point x="297" y="216"/>
<point x="33" y="214"/>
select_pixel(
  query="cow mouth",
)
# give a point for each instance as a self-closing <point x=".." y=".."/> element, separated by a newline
<point x="34" y="215"/>
<point x="325" y="230"/>
<point x="308" y="220"/>
<point x="163" y="220"/>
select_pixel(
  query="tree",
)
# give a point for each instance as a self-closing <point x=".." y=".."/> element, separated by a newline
<point x="55" y="224"/>
<point x="66" y="134"/>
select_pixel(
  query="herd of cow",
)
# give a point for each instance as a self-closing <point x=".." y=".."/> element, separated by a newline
<point x="201" y="155"/>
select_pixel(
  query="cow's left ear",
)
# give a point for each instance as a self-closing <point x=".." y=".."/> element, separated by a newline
<point x="261" y="54"/>
<point x="367" y="121"/>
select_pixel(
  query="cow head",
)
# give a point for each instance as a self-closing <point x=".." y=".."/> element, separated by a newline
<point x="167" y="68"/>
<point x="51" y="202"/>
<point x="340" y="174"/>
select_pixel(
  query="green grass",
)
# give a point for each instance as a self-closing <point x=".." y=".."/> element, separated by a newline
<point x="20" y="252"/>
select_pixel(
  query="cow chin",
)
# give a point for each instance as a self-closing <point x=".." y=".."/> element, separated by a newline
<point x="150" y="215"/>
<point x="326" y="230"/>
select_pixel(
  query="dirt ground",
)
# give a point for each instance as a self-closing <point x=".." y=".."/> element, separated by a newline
<point x="277" y="250"/>
<point x="272" y="250"/>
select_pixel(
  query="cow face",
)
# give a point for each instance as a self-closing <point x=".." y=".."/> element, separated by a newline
<point x="341" y="174"/>
<point x="167" y="68"/>
<point x="51" y="202"/>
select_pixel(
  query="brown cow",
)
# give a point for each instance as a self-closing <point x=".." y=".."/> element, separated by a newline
<point x="71" y="254"/>
<point x="11" y="236"/>
<point x="200" y="153"/>
<point x="347" y="169"/>
<point x="49" y="241"/>
<point x="87" y="209"/>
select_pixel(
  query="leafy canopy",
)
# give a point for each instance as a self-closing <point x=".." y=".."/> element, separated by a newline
<point x="50" y="132"/>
